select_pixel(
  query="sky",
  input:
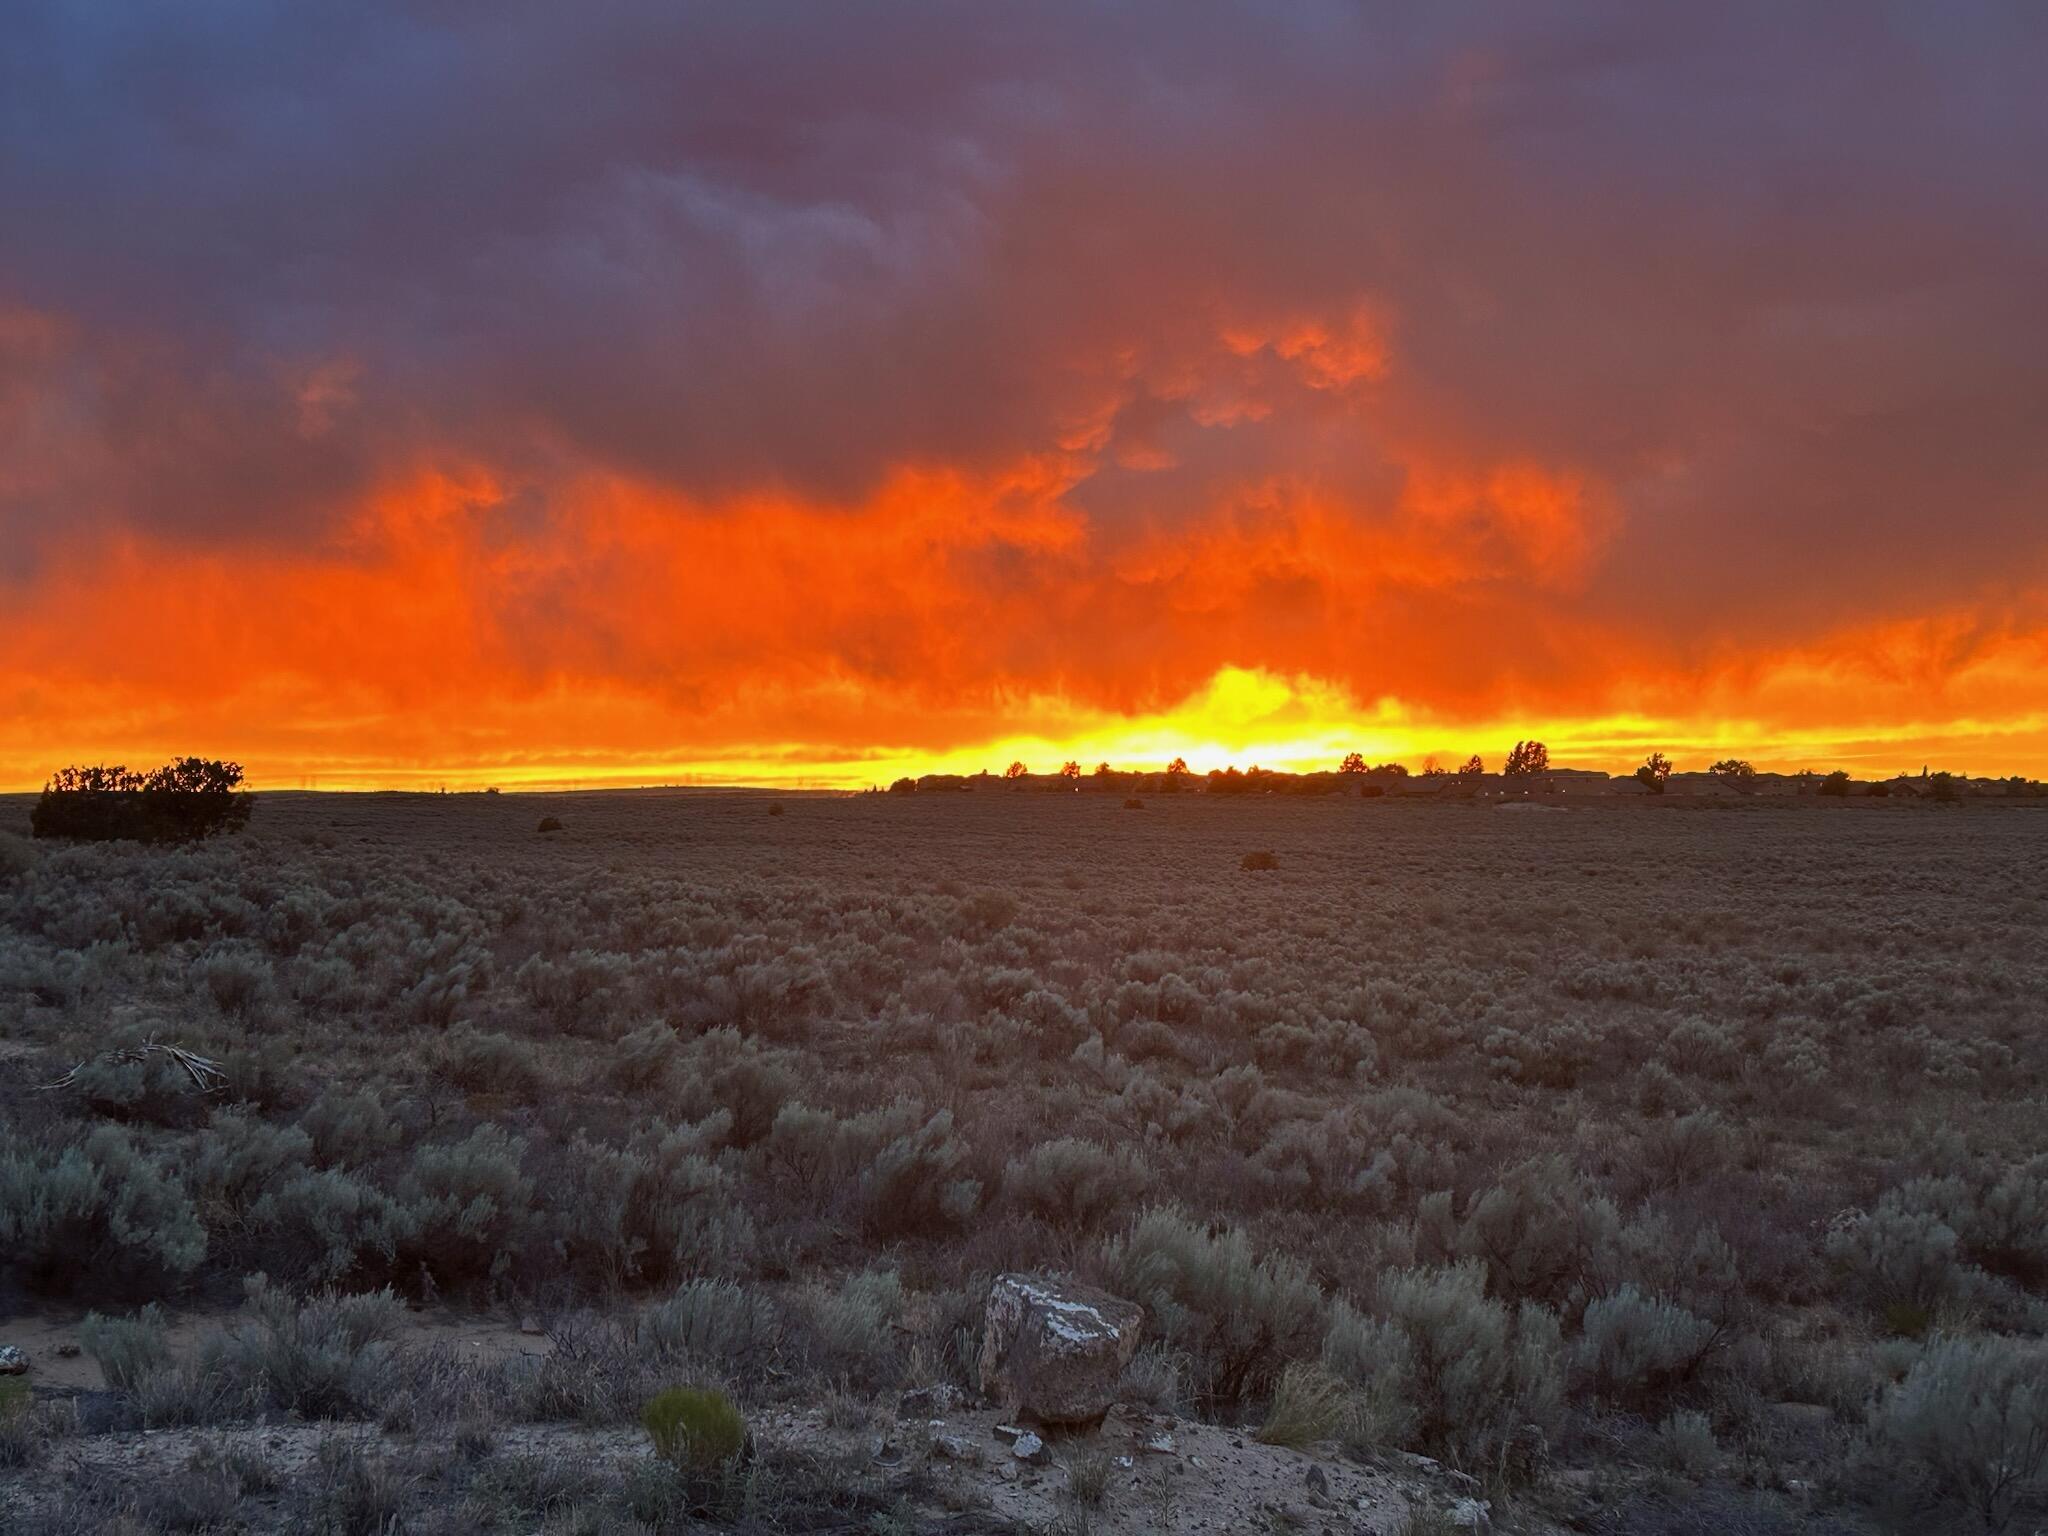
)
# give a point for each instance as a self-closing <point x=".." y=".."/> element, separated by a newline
<point x="472" y="394"/>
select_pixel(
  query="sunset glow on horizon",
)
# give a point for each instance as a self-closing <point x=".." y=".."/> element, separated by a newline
<point x="899" y="390"/>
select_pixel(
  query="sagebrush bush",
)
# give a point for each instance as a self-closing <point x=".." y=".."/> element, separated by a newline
<point x="102" y="1206"/>
<point x="716" y="1322"/>
<point x="1238" y="1318"/>
<point x="1539" y="1231"/>
<point x="1070" y="1182"/>
<point x="1901" y="1255"/>
<point x="1634" y="1346"/>
<point x="1686" y="1442"/>
<point x="1445" y="1368"/>
<point x="128" y="1350"/>
<point x="469" y="1205"/>
<point x="918" y="1182"/>
<point x="1970" y="1422"/>
<point x="323" y="1357"/>
<point x="325" y="1225"/>
<point x="854" y="1324"/>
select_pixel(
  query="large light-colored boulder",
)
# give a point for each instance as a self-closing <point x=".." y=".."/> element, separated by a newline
<point x="1054" y="1352"/>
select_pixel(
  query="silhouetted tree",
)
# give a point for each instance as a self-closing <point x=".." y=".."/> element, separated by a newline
<point x="1354" y="762"/>
<point x="1103" y="771"/>
<point x="1473" y="767"/>
<point x="1070" y="770"/>
<point x="186" y="800"/>
<point x="1733" y="768"/>
<point x="1391" y="770"/>
<point x="1528" y="757"/>
<point x="1015" y="771"/>
<point x="1836" y="783"/>
<point x="1432" y="769"/>
<point x="1177" y="768"/>
<point x="1654" y="772"/>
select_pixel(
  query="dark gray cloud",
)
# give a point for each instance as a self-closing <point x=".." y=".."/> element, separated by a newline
<point x="1774" y="276"/>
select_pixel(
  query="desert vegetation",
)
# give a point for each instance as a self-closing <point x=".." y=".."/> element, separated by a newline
<point x="1633" y="1165"/>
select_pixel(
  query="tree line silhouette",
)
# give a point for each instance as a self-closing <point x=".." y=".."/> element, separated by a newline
<point x="186" y="800"/>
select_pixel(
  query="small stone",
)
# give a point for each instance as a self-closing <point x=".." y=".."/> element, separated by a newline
<point x="1318" y="1481"/>
<point x="924" y="1402"/>
<point x="1161" y="1444"/>
<point x="67" y="1350"/>
<point x="1006" y="1431"/>
<point x="1029" y="1448"/>
<point x="12" y="1361"/>
<point x="530" y="1326"/>
<point x="955" y="1447"/>
<point x="1126" y="1462"/>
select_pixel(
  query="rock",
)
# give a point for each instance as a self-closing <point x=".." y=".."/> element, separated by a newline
<point x="1318" y="1481"/>
<point x="1161" y="1444"/>
<point x="1055" y="1352"/>
<point x="1029" y="1448"/>
<point x="1471" y="1515"/>
<point x="955" y="1447"/>
<point x="1005" y="1431"/>
<point x="12" y="1361"/>
<point x="530" y="1326"/>
<point x="67" y="1350"/>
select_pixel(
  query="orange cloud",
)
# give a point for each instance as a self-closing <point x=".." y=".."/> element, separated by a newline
<point x="948" y="619"/>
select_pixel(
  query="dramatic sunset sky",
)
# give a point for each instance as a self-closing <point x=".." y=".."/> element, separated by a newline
<point x="460" y="393"/>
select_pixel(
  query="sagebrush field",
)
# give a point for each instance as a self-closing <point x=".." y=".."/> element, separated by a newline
<point x="1663" y="1168"/>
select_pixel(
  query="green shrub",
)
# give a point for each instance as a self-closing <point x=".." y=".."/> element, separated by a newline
<point x="694" y="1429"/>
<point x="24" y="1431"/>
<point x="1310" y="1404"/>
<point x="15" y="1397"/>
